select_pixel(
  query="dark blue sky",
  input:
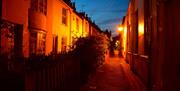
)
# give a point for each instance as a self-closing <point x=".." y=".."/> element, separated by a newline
<point x="107" y="14"/>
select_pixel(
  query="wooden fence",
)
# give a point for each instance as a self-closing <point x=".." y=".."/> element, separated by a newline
<point x="62" y="75"/>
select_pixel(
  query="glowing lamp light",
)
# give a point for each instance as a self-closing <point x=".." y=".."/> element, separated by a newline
<point x="120" y="29"/>
<point x="141" y="29"/>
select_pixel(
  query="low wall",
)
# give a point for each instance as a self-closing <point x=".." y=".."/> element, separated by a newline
<point x="139" y="64"/>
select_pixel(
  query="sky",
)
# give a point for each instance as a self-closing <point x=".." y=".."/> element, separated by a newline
<point x="107" y="14"/>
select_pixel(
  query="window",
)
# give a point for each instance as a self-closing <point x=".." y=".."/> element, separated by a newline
<point x="55" y="44"/>
<point x="77" y="24"/>
<point x="37" y="42"/>
<point x="39" y="5"/>
<point x="41" y="43"/>
<point x="87" y="28"/>
<point x="11" y="38"/>
<point x="74" y="39"/>
<point x="7" y="41"/>
<point x="63" y="44"/>
<point x="33" y="42"/>
<point x="34" y="5"/>
<point x="64" y="16"/>
<point x="45" y="7"/>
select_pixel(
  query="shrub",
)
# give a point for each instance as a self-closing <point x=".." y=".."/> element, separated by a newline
<point x="91" y="53"/>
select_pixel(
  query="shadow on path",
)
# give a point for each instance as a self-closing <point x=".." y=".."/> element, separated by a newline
<point x="114" y="75"/>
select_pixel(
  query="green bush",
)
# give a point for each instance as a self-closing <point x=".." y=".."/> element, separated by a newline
<point x="91" y="53"/>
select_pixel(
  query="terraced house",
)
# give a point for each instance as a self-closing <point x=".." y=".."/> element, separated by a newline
<point x="41" y="26"/>
<point x="151" y="33"/>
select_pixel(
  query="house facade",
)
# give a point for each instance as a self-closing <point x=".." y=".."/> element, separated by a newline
<point x="41" y="26"/>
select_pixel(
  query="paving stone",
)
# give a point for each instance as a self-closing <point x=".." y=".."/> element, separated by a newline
<point x="114" y="75"/>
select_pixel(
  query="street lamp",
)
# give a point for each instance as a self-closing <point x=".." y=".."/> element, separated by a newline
<point x="120" y="29"/>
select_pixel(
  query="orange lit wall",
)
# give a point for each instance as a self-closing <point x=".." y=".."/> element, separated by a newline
<point x="76" y="32"/>
<point x="124" y="37"/>
<point x="135" y="6"/>
<point x="16" y="11"/>
<point x="134" y="24"/>
<point x="49" y="36"/>
<point x="128" y="20"/>
<point x="85" y="28"/>
<point x="58" y="28"/>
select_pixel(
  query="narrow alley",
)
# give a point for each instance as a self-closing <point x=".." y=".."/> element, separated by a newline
<point x="89" y="45"/>
<point x="114" y="75"/>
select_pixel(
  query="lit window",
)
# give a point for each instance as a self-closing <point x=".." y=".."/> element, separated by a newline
<point x="41" y="43"/>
